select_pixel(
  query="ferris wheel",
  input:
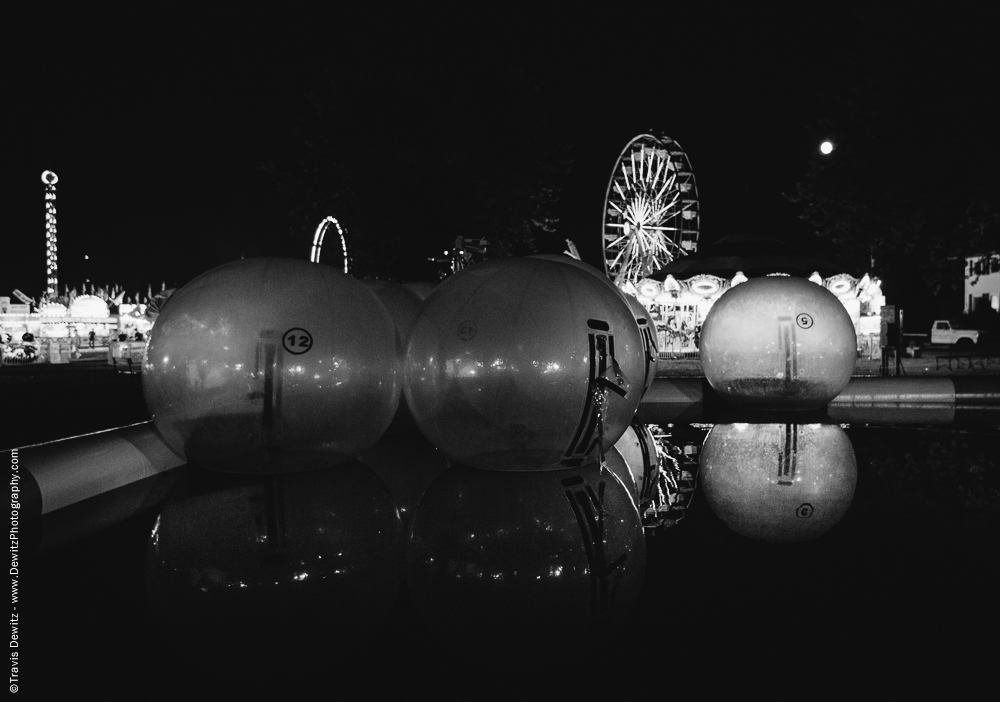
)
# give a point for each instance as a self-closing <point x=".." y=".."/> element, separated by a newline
<point x="651" y="213"/>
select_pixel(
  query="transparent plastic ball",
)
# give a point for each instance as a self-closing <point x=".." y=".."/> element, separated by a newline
<point x="272" y="366"/>
<point x="778" y="343"/>
<point x="521" y="364"/>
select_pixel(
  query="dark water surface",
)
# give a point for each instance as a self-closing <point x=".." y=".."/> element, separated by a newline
<point x="906" y="585"/>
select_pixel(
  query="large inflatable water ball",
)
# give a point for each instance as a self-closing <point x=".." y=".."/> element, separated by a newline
<point x="535" y="559"/>
<point x="402" y="303"/>
<point x="778" y="482"/>
<point x="523" y="364"/>
<point x="272" y="366"/>
<point x="303" y="559"/>
<point x="778" y="343"/>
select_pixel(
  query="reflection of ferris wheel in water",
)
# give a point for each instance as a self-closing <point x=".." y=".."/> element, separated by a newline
<point x="650" y="210"/>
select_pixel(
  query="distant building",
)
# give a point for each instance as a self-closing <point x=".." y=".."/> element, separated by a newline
<point x="982" y="282"/>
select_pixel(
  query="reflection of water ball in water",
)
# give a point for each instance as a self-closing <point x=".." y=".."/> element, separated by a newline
<point x="407" y="463"/>
<point x="282" y="558"/>
<point x="778" y="482"/>
<point x="615" y="462"/>
<point x="638" y="448"/>
<point x="503" y="363"/>
<point x="778" y="343"/>
<point x="272" y="366"/>
<point x="500" y="557"/>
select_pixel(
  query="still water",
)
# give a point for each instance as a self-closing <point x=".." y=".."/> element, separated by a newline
<point x="889" y="564"/>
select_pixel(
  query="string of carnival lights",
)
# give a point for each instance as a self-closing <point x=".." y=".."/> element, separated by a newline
<point x="317" y="245"/>
<point x="51" y="253"/>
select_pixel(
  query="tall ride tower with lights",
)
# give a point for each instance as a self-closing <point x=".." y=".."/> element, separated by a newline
<point x="51" y="254"/>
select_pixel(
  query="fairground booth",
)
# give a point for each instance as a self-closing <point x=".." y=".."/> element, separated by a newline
<point x="56" y="333"/>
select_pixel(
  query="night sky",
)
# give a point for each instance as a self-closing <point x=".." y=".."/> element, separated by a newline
<point x="158" y="124"/>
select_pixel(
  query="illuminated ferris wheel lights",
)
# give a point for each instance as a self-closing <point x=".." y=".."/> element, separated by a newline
<point x="645" y="217"/>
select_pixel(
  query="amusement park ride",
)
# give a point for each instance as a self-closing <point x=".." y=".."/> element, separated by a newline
<point x="651" y="213"/>
<point x="51" y="249"/>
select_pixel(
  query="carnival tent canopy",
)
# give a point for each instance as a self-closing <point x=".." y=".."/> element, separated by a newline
<point x="88" y="306"/>
<point x="753" y="255"/>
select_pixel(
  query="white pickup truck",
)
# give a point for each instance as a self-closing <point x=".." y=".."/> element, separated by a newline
<point x="946" y="331"/>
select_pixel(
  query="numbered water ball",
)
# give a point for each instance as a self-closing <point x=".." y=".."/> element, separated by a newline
<point x="402" y="303"/>
<point x="778" y="343"/>
<point x="250" y="560"/>
<point x="498" y="558"/>
<point x="272" y="366"/>
<point x="778" y="482"/>
<point x="523" y="364"/>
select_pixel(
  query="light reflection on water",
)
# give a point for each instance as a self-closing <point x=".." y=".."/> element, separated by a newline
<point x="779" y="483"/>
<point x="937" y="482"/>
<point x="911" y="561"/>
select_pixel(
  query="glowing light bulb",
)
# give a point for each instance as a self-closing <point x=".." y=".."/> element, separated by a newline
<point x="826" y="147"/>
